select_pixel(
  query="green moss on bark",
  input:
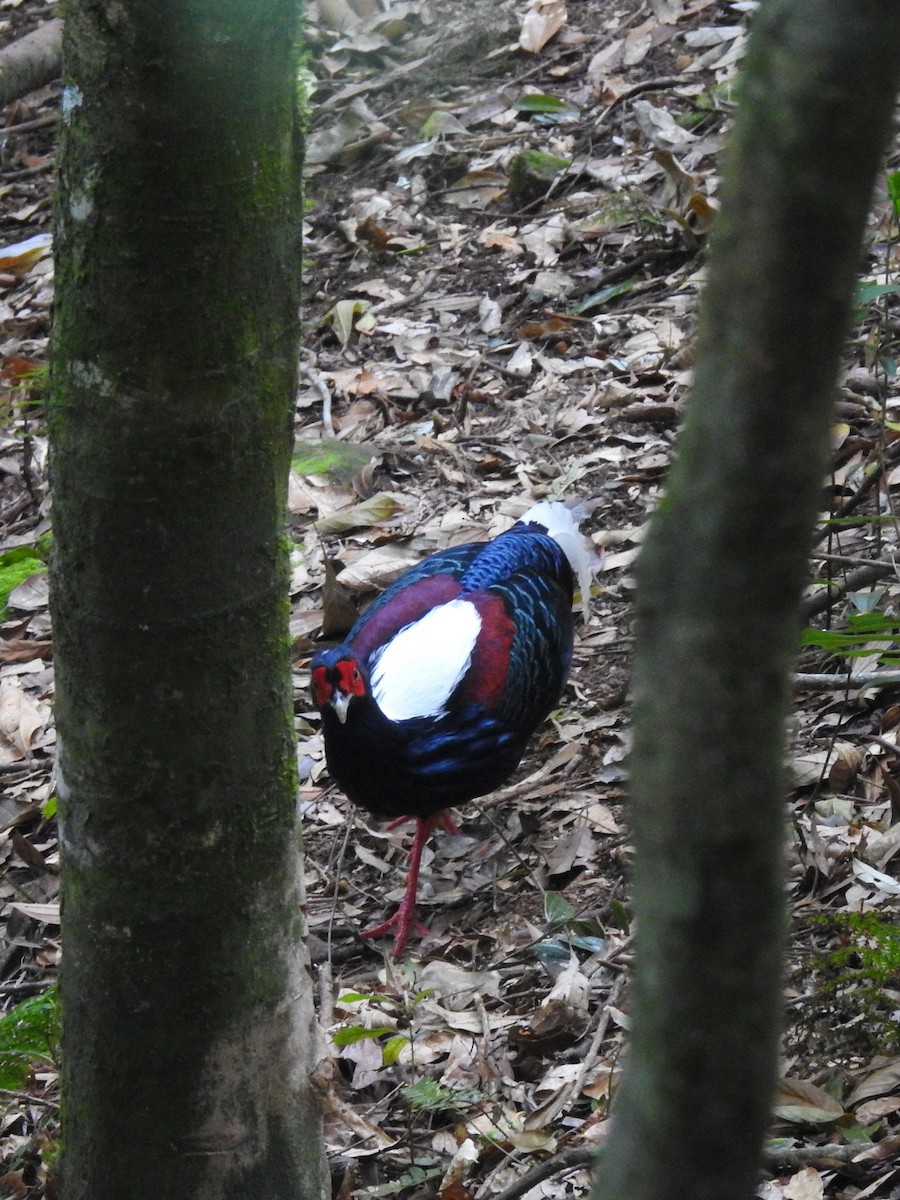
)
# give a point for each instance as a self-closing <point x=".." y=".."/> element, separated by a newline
<point x="719" y="583"/>
<point x="188" y="1020"/>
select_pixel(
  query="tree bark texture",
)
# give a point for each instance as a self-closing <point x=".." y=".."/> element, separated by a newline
<point x="189" y="1034"/>
<point x="719" y="584"/>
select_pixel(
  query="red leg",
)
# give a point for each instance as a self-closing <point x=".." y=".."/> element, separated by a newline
<point x="404" y="919"/>
<point x="443" y="818"/>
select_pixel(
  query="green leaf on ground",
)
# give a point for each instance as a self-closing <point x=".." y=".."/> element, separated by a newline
<point x="540" y="102"/>
<point x="29" y="1033"/>
<point x="340" y="461"/>
<point x="358" y="1033"/>
<point x="15" y="568"/>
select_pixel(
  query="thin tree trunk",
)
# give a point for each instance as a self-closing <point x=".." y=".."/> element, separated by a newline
<point x="189" y="1034"/>
<point x="719" y="586"/>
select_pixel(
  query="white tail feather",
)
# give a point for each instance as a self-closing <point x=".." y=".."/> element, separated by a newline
<point x="561" y="523"/>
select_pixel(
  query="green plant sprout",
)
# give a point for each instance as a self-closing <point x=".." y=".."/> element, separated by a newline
<point x="863" y="629"/>
<point x="29" y="1036"/>
<point x="861" y="974"/>
<point x="393" y="1042"/>
<point x="432" y="1096"/>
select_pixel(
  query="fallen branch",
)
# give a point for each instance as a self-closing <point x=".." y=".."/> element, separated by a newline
<point x="31" y="61"/>
<point x="795" y="1157"/>
<point x="774" y="1157"/>
<point x="850" y="560"/>
<point x="874" y="475"/>
<point x="844" y="683"/>
<point x="861" y="577"/>
<point x="27" y="1098"/>
<point x="559" y="1164"/>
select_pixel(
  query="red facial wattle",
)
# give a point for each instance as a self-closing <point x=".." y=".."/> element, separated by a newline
<point x="321" y="688"/>
<point x="336" y="684"/>
<point x="350" y="680"/>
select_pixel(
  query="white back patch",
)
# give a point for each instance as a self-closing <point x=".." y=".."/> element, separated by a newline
<point x="417" y="671"/>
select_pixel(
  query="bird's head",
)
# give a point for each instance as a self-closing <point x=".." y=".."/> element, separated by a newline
<point x="337" y="679"/>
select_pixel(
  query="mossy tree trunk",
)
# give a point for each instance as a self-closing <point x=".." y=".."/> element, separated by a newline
<point x="719" y="585"/>
<point x="189" y="1030"/>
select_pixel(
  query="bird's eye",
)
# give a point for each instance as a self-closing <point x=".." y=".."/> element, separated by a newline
<point x="355" y="676"/>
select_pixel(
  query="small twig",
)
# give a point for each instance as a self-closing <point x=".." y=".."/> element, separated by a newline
<point x="810" y="605"/>
<point x="410" y="298"/>
<point x="559" y="1164"/>
<point x="11" y="1095"/>
<point x="803" y="1156"/>
<point x="29" y="172"/>
<point x="464" y="386"/>
<point x="309" y="372"/>
<point x="884" y="744"/>
<point x="648" y="85"/>
<point x="840" y="683"/>
<point x="27" y="896"/>
<point x="326" y="994"/>
<point x="16" y="509"/>
<point x="773" y="1156"/>
<point x="623" y="270"/>
<point x="28" y="766"/>
<point x="602" y="1025"/>
<point x="28" y="126"/>
<point x="28" y="457"/>
<point x="869" y="482"/>
<point x="853" y="561"/>
<point x="23" y="989"/>
<point x="348" y="829"/>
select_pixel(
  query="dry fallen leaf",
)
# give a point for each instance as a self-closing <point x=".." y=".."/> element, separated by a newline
<point x="477" y="189"/>
<point x="659" y="127"/>
<point x="805" y="1104"/>
<point x="342" y="315"/>
<point x="879" y="880"/>
<point x="493" y="237"/>
<point x="31" y="594"/>
<point x="564" y="1012"/>
<point x="339" y="613"/>
<point x="23" y="650"/>
<point x="880" y="1079"/>
<point x="807" y="1184"/>
<point x="20" y="257"/>
<point x="451" y="1186"/>
<point x="667" y="12"/>
<point x="456" y="986"/>
<point x="380" y="507"/>
<point x="540" y="24"/>
<point x="47" y="914"/>
<point x="20" y="719"/>
<point x="377" y="568"/>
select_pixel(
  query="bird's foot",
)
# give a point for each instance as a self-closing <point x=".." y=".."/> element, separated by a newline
<point x="446" y="819"/>
<point x="405" y="922"/>
<point x="442" y="818"/>
<point x="404" y="919"/>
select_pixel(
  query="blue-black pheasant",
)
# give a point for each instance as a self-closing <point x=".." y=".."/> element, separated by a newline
<point x="432" y="698"/>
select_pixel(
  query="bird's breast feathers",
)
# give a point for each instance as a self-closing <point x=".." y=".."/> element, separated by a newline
<point x="460" y="648"/>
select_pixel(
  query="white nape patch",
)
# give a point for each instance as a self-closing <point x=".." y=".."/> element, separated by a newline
<point x="418" y="670"/>
<point x="562" y="525"/>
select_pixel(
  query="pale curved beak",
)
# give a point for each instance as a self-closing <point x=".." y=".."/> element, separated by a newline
<point x="340" y="702"/>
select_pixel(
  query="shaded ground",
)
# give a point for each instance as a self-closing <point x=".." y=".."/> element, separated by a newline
<point x="482" y="349"/>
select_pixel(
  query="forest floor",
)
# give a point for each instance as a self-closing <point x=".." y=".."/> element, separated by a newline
<point x="505" y="246"/>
